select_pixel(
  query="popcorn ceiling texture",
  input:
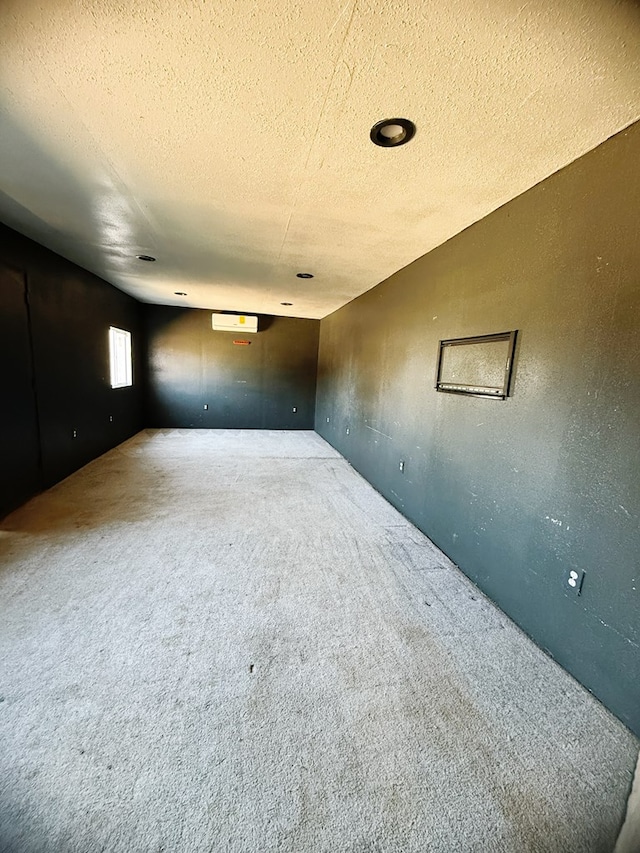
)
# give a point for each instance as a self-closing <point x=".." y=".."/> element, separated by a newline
<point x="231" y="139"/>
<point x="228" y="641"/>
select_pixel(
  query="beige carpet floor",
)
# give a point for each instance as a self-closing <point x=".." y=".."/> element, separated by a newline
<point x="629" y="838"/>
<point x="228" y="641"/>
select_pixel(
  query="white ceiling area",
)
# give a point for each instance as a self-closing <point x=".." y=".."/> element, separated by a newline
<point x="230" y="139"/>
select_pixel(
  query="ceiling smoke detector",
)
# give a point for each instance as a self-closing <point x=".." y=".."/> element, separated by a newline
<point x="392" y="132"/>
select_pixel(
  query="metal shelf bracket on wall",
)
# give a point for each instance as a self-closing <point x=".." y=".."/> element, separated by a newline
<point x="480" y="366"/>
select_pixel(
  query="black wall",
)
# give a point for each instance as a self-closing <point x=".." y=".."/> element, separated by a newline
<point x="54" y="321"/>
<point x="20" y="474"/>
<point x="245" y="387"/>
<point x="521" y="491"/>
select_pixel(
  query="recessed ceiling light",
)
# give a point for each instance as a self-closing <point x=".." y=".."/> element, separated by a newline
<point x="392" y="132"/>
<point x="179" y="293"/>
<point x="304" y="275"/>
<point x="286" y="303"/>
<point x="145" y="258"/>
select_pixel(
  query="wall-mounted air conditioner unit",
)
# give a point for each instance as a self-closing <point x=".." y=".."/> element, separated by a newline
<point x="234" y="323"/>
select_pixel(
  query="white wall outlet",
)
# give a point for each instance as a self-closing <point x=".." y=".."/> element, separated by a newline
<point x="206" y="407"/>
<point x="401" y="465"/>
<point x="348" y="430"/>
<point x="575" y="581"/>
<point x="294" y="410"/>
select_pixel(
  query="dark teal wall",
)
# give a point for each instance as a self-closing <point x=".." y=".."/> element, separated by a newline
<point x="20" y="470"/>
<point x="244" y="387"/>
<point x="54" y="321"/>
<point x="518" y="492"/>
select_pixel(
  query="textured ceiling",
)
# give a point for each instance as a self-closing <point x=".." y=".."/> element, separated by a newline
<point x="230" y="139"/>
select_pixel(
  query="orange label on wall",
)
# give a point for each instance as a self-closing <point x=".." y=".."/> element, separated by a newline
<point x="242" y="343"/>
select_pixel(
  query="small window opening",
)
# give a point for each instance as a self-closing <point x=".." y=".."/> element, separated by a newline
<point x="120" y="358"/>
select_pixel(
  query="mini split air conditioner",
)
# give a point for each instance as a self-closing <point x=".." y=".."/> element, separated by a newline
<point x="234" y="323"/>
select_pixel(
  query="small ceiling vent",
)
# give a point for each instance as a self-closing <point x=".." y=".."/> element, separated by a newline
<point x="234" y="323"/>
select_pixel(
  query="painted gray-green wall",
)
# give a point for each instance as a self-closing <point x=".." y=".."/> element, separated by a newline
<point x="54" y="322"/>
<point x="245" y="387"/>
<point x="518" y="492"/>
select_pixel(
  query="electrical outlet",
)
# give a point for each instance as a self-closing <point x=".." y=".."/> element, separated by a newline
<point x="575" y="581"/>
<point x="294" y="410"/>
<point x="110" y="419"/>
<point x="401" y="465"/>
<point x="75" y="433"/>
<point x="328" y="419"/>
<point x="206" y="407"/>
<point x="348" y="430"/>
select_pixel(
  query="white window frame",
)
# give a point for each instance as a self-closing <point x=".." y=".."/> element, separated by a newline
<point x="120" y="360"/>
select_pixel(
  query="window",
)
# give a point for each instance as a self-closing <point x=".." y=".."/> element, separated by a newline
<point x="120" y="358"/>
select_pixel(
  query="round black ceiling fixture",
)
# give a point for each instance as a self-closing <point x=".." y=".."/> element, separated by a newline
<point x="391" y="132"/>
<point x="179" y="293"/>
<point x="304" y="275"/>
<point x="145" y="258"/>
<point x="286" y="303"/>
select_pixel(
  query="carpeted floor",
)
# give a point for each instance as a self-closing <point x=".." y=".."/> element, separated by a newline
<point x="629" y="838"/>
<point x="228" y="641"/>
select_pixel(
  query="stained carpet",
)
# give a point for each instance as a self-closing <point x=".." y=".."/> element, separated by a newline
<point x="228" y="641"/>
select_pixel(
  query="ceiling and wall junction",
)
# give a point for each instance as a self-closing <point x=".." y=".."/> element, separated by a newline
<point x="230" y="140"/>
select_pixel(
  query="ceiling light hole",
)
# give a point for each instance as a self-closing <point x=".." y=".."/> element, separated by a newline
<point x="145" y="258"/>
<point x="304" y="275"/>
<point x="392" y="132"/>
